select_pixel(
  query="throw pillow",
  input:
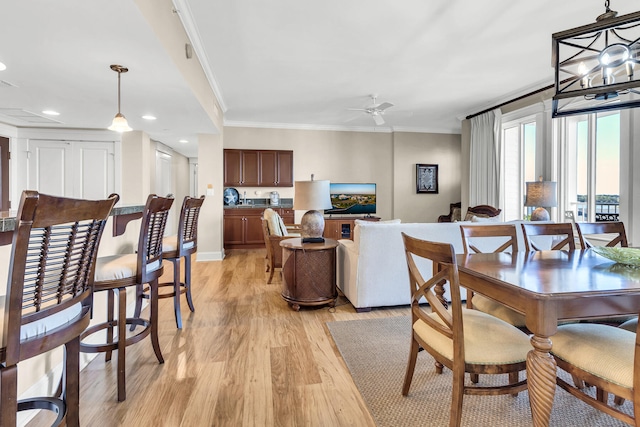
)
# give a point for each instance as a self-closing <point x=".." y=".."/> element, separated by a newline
<point x="456" y="214"/>
<point x="476" y="218"/>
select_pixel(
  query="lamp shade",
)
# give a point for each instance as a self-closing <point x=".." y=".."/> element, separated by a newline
<point x="312" y="195"/>
<point x="541" y="194"/>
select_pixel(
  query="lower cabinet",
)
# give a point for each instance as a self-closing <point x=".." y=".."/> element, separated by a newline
<point x="342" y="227"/>
<point x="243" y="227"/>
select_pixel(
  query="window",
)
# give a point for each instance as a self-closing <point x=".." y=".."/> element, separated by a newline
<point x="592" y="169"/>
<point x="518" y="164"/>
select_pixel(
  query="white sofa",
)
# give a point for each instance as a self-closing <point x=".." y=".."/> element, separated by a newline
<point x="372" y="269"/>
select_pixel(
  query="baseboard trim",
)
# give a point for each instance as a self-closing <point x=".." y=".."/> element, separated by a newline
<point x="209" y="256"/>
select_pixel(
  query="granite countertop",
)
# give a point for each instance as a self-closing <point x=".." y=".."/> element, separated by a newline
<point x="262" y="204"/>
<point x="8" y="218"/>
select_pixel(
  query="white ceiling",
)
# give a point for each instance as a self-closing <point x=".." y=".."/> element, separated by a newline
<point x="282" y="63"/>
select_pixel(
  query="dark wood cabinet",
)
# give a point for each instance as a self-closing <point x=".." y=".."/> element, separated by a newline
<point x="243" y="226"/>
<point x="285" y="168"/>
<point x="342" y="227"/>
<point x="258" y="168"/>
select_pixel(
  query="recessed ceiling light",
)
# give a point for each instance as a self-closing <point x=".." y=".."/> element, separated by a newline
<point x="2" y="67"/>
<point x="149" y="117"/>
<point x="184" y="141"/>
<point x="50" y="113"/>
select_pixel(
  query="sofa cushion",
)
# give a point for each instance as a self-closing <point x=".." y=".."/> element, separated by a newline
<point x="476" y="218"/>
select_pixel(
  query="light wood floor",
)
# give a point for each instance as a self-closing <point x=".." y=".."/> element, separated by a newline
<point x="244" y="358"/>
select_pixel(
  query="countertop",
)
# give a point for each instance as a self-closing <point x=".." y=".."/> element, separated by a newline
<point x="8" y="218"/>
<point x="263" y="204"/>
<point x="260" y="206"/>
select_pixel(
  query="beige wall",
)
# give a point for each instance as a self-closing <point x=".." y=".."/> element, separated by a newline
<point x="210" y="220"/>
<point x="384" y="158"/>
<point x="413" y="148"/>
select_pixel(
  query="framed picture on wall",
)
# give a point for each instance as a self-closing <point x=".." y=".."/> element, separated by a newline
<point x="426" y="178"/>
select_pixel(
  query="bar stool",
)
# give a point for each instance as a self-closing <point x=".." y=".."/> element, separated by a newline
<point x="183" y="244"/>
<point x="115" y="273"/>
<point x="49" y="296"/>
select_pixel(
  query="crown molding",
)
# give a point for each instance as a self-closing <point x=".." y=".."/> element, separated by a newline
<point x="372" y="129"/>
<point x="183" y="11"/>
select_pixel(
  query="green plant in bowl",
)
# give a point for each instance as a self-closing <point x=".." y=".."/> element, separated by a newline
<point x="628" y="256"/>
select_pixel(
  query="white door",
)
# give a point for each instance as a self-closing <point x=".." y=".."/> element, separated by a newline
<point x="96" y="160"/>
<point x="164" y="187"/>
<point x="50" y="168"/>
<point x="78" y="169"/>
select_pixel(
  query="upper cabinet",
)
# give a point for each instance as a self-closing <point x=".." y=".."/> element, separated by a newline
<point x="258" y="168"/>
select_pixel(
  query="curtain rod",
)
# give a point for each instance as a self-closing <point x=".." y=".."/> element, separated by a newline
<point x="512" y="100"/>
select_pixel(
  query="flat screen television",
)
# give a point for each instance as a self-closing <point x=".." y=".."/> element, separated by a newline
<point x="352" y="198"/>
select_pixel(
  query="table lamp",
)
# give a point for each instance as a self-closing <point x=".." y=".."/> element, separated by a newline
<point x="541" y="194"/>
<point x="312" y="196"/>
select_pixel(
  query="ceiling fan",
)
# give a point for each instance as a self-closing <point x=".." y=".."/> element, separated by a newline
<point x="375" y="110"/>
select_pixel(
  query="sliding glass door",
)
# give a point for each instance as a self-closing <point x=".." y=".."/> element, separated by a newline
<point x="592" y="169"/>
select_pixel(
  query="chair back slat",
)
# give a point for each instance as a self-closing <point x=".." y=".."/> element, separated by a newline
<point x="615" y="228"/>
<point x="154" y="221"/>
<point x="55" y="244"/>
<point x="563" y="232"/>
<point x="445" y="271"/>
<point x="188" y="223"/>
<point x="469" y="232"/>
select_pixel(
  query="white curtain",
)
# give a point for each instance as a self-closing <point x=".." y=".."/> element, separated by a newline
<point x="484" y="173"/>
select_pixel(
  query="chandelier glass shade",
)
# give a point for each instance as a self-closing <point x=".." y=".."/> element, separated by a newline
<point x="596" y="65"/>
<point x="119" y="123"/>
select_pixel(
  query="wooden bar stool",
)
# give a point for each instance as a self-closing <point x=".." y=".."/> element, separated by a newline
<point x="182" y="245"/>
<point x="114" y="274"/>
<point x="49" y="296"/>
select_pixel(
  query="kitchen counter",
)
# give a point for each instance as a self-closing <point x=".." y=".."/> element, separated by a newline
<point x="262" y="204"/>
<point x="122" y="215"/>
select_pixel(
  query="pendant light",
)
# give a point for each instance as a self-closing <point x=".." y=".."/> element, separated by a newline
<point x="119" y="123"/>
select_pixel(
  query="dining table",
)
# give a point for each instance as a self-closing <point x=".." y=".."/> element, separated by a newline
<point x="548" y="287"/>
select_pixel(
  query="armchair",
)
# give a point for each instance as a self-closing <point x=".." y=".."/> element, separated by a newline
<point x="274" y="231"/>
<point x="454" y="213"/>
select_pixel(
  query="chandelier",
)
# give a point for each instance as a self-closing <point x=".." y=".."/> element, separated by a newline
<point x="595" y="64"/>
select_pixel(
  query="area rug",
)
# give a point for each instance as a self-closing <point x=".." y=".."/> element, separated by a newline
<point x="376" y="352"/>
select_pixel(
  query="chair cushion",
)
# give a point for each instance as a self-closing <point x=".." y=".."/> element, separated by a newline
<point x="630" y="325"/>
<point x="274" y="223"/>
<point x="501" y="311"/>
<point x="604" y="351"/>
<point x="487" y="339"/>
<point x="117" y="267"/>
<point x="42" y="326"/>
<point x="170" y="244"/>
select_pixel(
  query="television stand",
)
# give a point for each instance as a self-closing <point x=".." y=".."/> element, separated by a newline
<point x="341" y="227"/>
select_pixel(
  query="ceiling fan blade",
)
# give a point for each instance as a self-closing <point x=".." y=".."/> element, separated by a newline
<point x="378" y="119"/>
<point x="384" y="106"/>
<point x="356" y="109"/>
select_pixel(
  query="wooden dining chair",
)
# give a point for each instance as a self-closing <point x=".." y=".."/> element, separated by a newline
<point x="614" y="231"/>
<point x="49" y="296"/>
<point x="457" y="338"/>
<point x="502" y="238"/>
<point x="274" y="231"/>
<point x="115" y="273"/>
<point x="562" y="233"/>
<point x="604" y="356"/>
<point x="181" y="245"/>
